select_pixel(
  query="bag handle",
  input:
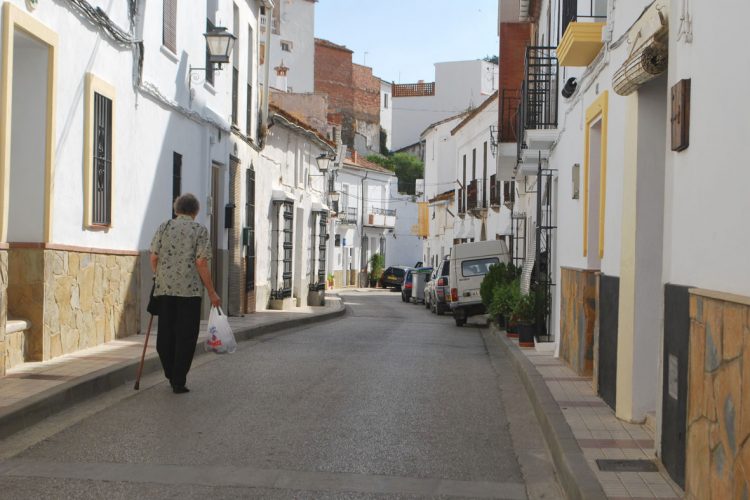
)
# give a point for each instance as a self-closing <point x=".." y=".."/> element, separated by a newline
<point x="218" y="310"/>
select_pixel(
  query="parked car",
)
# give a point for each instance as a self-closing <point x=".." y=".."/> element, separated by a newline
<point x="406" y="287"/>
<point x="428" y="290"/>
<point x="439" y="291"/>
<point x="393" y="277"/>
<point x="469" y="263"/>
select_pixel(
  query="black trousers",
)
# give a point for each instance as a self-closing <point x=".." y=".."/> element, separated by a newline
<point x="179" y="325"/>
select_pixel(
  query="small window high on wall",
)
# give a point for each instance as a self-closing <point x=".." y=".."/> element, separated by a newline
<point x="169" y="25"/>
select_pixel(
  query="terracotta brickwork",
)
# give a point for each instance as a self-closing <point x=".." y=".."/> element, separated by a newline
<point x="718" y="448"/>
<point x="3" y="307"/>
<point x="74" y="300"/>
<point x="366" y="94"/>
<point x="353" y="92"/>
<point x="577" y="319"/>
<point x="514" y="37"/>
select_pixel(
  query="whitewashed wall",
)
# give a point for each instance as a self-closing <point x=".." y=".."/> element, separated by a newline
<point x="458" y="86"/>
<point x="298" y="27"/>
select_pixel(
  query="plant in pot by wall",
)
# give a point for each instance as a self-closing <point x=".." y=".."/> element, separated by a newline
<point x="525" y="314"/>
<point x="491" y="280"/>
<point x="504" y="299"/>
<point x="330" y="281"/>
<point x="377" y="263"/>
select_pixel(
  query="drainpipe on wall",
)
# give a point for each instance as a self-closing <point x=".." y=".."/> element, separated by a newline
<point x="362" y="248"/>
<point x="267" y="63"/>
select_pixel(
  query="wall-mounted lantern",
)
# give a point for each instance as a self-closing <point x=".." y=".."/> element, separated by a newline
<point x="219" y="43"/>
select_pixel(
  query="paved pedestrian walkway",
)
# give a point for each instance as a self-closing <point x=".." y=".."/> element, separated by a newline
<point x="601" y="435"/>
<point x="30" y="383"/>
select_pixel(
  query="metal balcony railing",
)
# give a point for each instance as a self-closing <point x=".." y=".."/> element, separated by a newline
<point x="472" y="195"/>
<point x="511" y="100"/>
<point x="576" y="10"/>
<point x="383" y="211"/>
<point x="539" y="92"/>
<point x="348" y="215"/>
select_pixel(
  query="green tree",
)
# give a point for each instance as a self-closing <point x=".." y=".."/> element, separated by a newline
<point x="407" y="168"/>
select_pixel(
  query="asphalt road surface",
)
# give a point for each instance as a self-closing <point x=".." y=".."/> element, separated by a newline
<point x="389" y="401"/>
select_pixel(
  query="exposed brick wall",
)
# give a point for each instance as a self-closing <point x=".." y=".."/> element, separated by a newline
<point x="514" y="37"/>
<point x="366" y="94"/>
<point x="353" y="92"/>
<point x="310" y="108"/>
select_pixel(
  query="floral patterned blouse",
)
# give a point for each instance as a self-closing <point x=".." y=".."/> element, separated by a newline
<point x="178" y="243"/>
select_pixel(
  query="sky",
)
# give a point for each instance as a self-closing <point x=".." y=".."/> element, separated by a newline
<point x="402" y="39"/>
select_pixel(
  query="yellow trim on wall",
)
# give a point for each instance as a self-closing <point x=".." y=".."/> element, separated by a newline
<point x="95" y="85"/>
<point x="597" y="111"/>
<point x="16" y="19"/>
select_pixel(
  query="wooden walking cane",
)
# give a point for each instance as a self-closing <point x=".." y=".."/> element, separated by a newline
<point x="143" y="354"/>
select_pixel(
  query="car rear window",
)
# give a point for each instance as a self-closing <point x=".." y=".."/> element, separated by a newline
<point x="396" y="272"/>
<point x="446" y="271"/>
<point x="478" y="267"/>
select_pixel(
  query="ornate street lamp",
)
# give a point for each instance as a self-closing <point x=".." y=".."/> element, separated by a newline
<point x="220" y="43"/>
<point x="323" y="161"/>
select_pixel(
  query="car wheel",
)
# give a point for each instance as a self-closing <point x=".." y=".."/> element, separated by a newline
<point x="439" y="310"/>
<point x="403" y="298"/>
<point x="433" y="308"/>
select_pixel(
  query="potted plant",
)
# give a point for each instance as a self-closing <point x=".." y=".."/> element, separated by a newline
<point x="494" y="278"/>
<point x="377" y="263"/>
<point x="504" y="300"/>
<point x="330" y="281"/>
<point x="525" y="313"/>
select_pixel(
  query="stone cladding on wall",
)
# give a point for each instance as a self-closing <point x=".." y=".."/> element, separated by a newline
<point x="73" y="299"/>
<point x="718" y="433"/>
<point x="577" y="319"/>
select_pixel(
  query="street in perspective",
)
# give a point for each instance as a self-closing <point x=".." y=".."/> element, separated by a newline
<point x="359" y="249"/>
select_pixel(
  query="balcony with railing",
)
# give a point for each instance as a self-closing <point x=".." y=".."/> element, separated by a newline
<point x="472" y="196"/>
<point x="510" y="101"/>
<point x="581" y="27"/>
<point x="419" y="89"/>
<point x="538" y="111"/>
<point x="263" y="22"/>
<point x="348" y="216"/>
<point x="381" y="217"/>
<point x="461" y="193"/>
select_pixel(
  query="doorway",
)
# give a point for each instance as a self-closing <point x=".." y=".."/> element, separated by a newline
<point x="594" y="196"/>
<point x="214" y="222"/>
<point x="26" y="166"/>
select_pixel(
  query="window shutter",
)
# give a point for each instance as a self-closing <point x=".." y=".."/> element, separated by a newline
<point x="169" y="25"/>
<point x="680" y="115"/>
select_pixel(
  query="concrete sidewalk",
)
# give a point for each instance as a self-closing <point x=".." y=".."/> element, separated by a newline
<point x="580" y="428"/>
<point x="32" y="391"/>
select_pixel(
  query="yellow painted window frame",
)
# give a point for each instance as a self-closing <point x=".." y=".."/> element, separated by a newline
<point x="598" y="110"/>
<point x="95" y="85"/>
<point x="16" y="19"/>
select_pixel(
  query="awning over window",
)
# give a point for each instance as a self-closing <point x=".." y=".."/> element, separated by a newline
<point x="648" y="43"/>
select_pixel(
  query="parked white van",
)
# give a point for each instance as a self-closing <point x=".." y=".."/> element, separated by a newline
<point x="469" y="263"/>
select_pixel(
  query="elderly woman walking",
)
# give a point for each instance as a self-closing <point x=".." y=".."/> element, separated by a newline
<point x="180" y="257"/>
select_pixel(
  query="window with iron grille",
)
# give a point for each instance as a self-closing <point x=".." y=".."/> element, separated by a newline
<point x="288" y="247"/>
<point x="494" y="194"/>
<point x="322" y="244"/>
<point x="249" y="105"/>
<point x="176" y="178"/>
<point x="235" y="93"/>
<point x="509" y="192"/>
<point x="169" y="25"/>
<point x="209" y="66"/>
<point x="102" y="175"/>
<point x="250" y="230"/>
<point x="484" y="175"/>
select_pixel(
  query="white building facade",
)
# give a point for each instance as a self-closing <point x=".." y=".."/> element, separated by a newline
<point x="458" y="86"/>
<point x="364" y="219"/>
<point x="124" y="127"/>
<point x="291" y="42"/>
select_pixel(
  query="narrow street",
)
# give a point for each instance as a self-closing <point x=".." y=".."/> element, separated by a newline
<point x="388" y="402"/>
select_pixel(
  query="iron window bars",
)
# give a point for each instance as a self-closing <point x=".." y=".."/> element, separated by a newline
<point x="250" y="230"/>
<point x="573" y="10"/>
<point x="102" y="174"/>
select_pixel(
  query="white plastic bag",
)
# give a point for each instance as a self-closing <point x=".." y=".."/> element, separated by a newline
<point x="220" y="337"/>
